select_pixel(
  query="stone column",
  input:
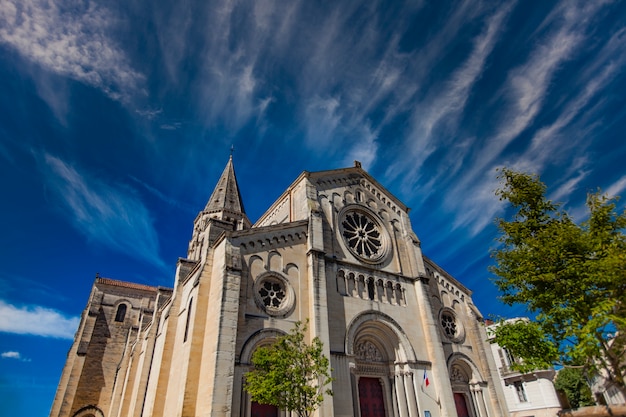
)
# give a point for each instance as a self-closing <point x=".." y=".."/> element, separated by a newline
<point x="478" y="399"/>
<point x="401" y="395"/>
<point x="409" y="384"/>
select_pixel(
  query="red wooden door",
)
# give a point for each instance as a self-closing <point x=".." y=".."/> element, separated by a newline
<point x="371" y="398"/>
<point x="461" y="405"/>
<point x="263" y="410"/>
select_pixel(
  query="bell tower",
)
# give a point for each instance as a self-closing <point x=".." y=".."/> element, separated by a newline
<point x="224" y="211"/>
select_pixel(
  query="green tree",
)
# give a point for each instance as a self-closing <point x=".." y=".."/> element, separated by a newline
<point x="572" y="276"/>
<point x="571" y="381"/>
<point x="290" y="373"/>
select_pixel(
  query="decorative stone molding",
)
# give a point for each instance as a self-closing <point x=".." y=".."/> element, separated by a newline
<point x="381" y="197"/>
<point x="260" y="338"/>
<point x="381" y="327"/>
<point x="368" y="352"/>
<point x="367" y="287"/>
<point x="457" y="375"/>
<point x="274" y="241"/>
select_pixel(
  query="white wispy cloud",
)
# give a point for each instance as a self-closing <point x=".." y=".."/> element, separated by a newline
<point x="70" y="40"/>
<point x="11" y="354"/>
<point x="322" y="119"/>
<point x="526" y="88"/>
<point x="36" y="321"/>
<point x="107" y="214"/>
<point x="568" y="133"/>
<point x="443" y="107"/>
<point x="161" y="196"/>
<point x="566" y="189"/>
<point x="617" y="188"/>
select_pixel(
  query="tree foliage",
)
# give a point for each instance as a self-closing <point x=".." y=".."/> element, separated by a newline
<point x="572" y="276"/>
<point x="525" y="339"/>
<point x="290" y="373"/>
<point x="571" y="381"/>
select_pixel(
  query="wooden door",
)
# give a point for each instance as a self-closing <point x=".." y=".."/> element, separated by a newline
<point x="371" y="398"/>
<point x="263" y="410"/>
<point x="461" y="405"/>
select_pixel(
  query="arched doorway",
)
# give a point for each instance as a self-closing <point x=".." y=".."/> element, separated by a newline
<point x="382" y="374"/>
<point x="459" y="378"/>
<point x="249" y="408"/>
<point x="470" y="390"/>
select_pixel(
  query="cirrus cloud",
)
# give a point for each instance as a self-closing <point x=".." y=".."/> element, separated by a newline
<point x="72" y="40"/>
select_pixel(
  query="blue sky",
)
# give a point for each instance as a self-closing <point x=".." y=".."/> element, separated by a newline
<point x="116" y="120"/>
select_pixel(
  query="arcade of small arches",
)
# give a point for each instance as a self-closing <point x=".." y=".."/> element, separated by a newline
<point x="370" y="288"/>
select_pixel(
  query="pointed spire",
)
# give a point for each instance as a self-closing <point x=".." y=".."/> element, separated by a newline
<point x="226" y="199"/>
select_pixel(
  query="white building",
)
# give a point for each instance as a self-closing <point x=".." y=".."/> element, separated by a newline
<point x="527" y="395"/>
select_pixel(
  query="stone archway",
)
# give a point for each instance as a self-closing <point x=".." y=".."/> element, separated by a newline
<point x="89" y="411"/>
<point x="468" y="387"/>
<point x="248" y="407"/>
<point x="382" y="374"/>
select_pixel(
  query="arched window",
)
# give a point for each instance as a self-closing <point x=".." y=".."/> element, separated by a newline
<point x="188" y="319"/>
<point x="370" y="288"/>
<point x="121" y="312"/>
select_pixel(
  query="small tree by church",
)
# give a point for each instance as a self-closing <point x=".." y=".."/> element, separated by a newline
<point x="290" y="374"/>
<point x="572" y="276"/>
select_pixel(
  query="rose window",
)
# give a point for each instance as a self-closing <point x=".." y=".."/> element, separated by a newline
<point x="448" y="323"/>
<point x="364" y="235"/>
<point x="272" y="293"/>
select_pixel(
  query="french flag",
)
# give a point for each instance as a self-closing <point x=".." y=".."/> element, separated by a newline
<point x="426" y="382"/>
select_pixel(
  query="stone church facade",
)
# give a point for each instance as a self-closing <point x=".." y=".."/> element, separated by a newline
<point x="403" y="336"/>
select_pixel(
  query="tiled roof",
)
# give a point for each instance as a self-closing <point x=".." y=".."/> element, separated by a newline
<point x="131" y="285"/>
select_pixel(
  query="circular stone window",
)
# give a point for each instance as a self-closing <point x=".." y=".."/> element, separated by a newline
<point x="450" y="326"/>
<point x="273" y="294"/>
<point x="364" y="235"/>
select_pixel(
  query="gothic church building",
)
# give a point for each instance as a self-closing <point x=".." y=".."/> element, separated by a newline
<point x="403" y="336"/>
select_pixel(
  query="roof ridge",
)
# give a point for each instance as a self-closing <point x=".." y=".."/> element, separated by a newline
<point x="125" y="284"/>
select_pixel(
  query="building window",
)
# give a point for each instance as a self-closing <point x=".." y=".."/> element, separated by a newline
<point x="506" y="359"/>
<point x="364" y="234"/>
<point x="187" y="321"/>
<point x="121" y="313"/>
<point x="451" y="327"/>
<point x="370" y="289"/>
<point x="273" y="294"/>
<point x="448" y="323"/>
<point x="521" y="392"/>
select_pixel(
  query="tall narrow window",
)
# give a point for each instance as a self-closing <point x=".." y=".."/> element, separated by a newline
<point x="370" y="289"/>
<point x="521" y="393"/>
<point x="121" y="312"/>
<point x="188" y="318"/>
